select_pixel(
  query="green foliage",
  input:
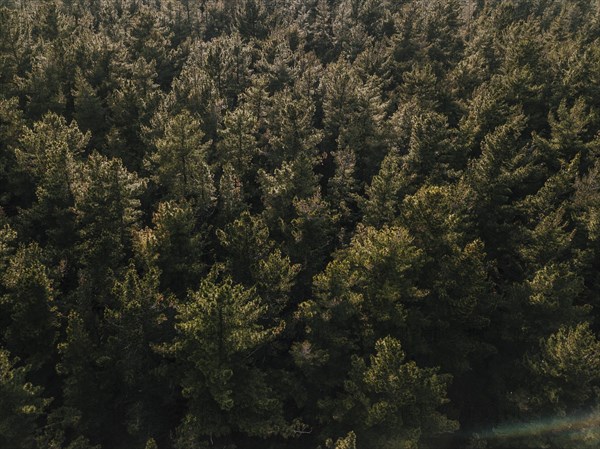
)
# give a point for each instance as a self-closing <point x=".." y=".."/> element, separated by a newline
<point x="254" y="260"/>
<point x="363" y="295"/>
<point x="179" y="163"/>
<point x="221" y="332"/>
<point x="132" y="328"/>
<point x="348" y="442"/>
<point x="305" y="223"/>
<point x="237" y="142"/>
<point x="131" y="103"/>
<point x="353" y="113"/>
<point x="21" y="405"/>
<point x="455" y="274"/>
<point x="89" y="112"/>
<point x="107" y="209"/>
<point x="174" y="245"/>
<point x="568" y="362"/>
<point x="30" y="327"/>
<point x="11" y="127"/>
<point x="63" y="431"/>
<point x="292" y="135"/>
<point x="396" y="400"/>
<point x="384" y="194"/>
<point x="49" y="153"/>
<point x="294" y="181"/>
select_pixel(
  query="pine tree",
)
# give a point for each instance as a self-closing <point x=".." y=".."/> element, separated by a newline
<point x="175" y="245"/>
<point x="86" y="381"/>
<point x="29" y="329"/>
<point x="455" y="275"/>
<point x="131" y="105"/>
<point x="369" y="291"/>
<point x="179" y="163"/>
<point x="353" y="114"/>
<point x="15" y="190"/>
<point x="342" y="190"/>
<point x="393" y="402"/>
<point x="237" y="139"/>
<point x="503" y="174"/>
<point x="150" y="39"/>
<point x="251" y="19"/>
<point x="294" y="180"/>
<point x="131" y="329"/>
<point x="89" y="113"/>
<point x="254" y="260"/>
<point x="227" y="60"/>
<point x="384" y="195"/>
<point x="231" y="195"/>
<point x="107" y="209"/>
<point x="218" y="345"/>
<point x="292" y="134"/>
<point x="49" y="153"/>
<point x="21" y="405"/>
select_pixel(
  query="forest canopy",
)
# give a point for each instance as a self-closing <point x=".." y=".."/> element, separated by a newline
<point x="301" y="224"/>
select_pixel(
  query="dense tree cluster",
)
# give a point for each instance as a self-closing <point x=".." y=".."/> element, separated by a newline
<point x="335" y="224"/>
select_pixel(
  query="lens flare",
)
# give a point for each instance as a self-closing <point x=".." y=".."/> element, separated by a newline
<point x="563" y="426"/>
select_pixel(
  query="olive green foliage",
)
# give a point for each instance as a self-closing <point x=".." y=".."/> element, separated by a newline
<point x="22" y="404"/>
<point x="341" y="224"/>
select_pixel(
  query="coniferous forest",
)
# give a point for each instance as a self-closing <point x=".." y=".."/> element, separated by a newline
<point x="299" y="224"/>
